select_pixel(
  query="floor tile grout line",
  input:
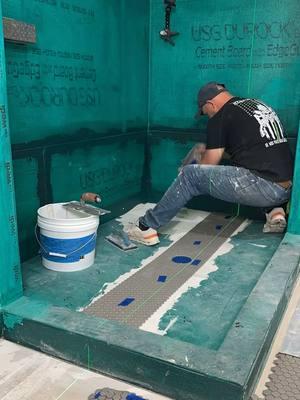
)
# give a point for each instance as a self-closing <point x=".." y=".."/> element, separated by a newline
<point x="207" y="247"/>
<point x="28" y="362"/>
<point x="60" y="396"/>
<point x="184" y="268"/>
<point x="210" y="244"/>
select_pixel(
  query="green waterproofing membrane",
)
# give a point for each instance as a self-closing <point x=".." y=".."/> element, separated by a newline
<point x="10" y="276"/>
<point x="171" y="367"/>
<point x="294" y="219"/>
<point x="251" y="46"/>
<point x="79" y="103"/>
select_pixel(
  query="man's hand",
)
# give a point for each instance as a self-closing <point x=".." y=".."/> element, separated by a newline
<point x="212" y="156"/>
<point x="194" y="155"/>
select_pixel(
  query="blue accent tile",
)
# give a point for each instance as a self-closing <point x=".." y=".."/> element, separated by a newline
<point x="126" y="302"/>
<point x="197" y="242"/>
<point x="219" y="227"/>
<point x="162" y="278"/>
<point x="181" y="260"/>
<point x="196" y="262"/>
<point x="133" y="396"/>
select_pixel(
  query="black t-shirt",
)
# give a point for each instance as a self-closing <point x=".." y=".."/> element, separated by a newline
<point x="253" y="136"/>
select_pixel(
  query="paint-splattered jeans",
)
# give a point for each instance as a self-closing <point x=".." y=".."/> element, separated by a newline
<point x="232" y="184"/>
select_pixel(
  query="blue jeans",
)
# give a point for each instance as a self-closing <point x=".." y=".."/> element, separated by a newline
<point x="232" y="184"/>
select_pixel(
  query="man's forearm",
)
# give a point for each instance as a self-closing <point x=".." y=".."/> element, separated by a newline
<point x="212" y="156"/>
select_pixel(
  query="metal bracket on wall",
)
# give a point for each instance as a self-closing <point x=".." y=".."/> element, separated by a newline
<point x="166" y="34"/>
<point x="18" y="31"/>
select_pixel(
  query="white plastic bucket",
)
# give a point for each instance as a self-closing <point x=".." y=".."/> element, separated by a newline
<point x="67" y="238"/>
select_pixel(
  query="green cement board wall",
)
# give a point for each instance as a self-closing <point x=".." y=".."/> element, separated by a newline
<point x="294" y="219"/>
<point x="251" y="46"/>
<point x="78" y="102"/>
<point x="10" y="277"/>
<point x="78" y="99"/>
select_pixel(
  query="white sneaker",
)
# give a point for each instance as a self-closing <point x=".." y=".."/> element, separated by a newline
<point x="276" y="222"/>
<point x="148" y="237"/>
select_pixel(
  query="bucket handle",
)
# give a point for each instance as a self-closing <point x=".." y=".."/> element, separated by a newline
<point x="50" y="253"/>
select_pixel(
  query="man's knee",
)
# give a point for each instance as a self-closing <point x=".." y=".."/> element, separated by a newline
<point x="194" y="177"/>
<point x="190" y="170"/>
<point x="188" y="174"/>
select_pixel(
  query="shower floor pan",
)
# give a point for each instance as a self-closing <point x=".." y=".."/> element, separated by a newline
<point x="192" y="318"/>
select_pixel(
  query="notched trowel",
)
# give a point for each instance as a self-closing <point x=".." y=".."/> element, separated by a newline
<point x="81" y="205"/>
<point x="121" y="240"/>
<point x="118" y="238"/>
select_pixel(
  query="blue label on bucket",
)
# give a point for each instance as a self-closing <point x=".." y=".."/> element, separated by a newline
<point x="74" y="249"/>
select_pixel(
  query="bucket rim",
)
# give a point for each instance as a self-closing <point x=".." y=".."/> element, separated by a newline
<point x="84" y="218"/>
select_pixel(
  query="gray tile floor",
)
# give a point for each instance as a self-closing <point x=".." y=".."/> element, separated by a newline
<point x="291" y="343"/>
<point x="284" y="382"/>
<point x="280" y="379"/>
<point x="29" y="375"/>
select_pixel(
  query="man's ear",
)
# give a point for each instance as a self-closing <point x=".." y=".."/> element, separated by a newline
<point x="214" y="106"/>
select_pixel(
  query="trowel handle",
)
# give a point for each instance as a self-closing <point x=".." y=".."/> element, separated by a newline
<point x="92" y="197"/>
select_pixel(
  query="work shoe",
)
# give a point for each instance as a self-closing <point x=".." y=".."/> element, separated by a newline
<point x="148" y="237"/>
<point x="276" y="222"/>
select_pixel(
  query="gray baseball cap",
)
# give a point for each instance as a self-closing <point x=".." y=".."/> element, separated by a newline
<point x="208" y="92"/>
